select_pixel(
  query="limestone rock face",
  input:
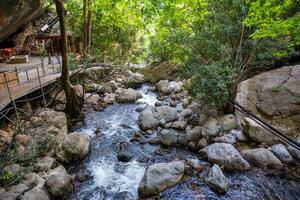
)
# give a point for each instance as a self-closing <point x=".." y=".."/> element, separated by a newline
<point x="75" y="147"/>
<point x="225" y="155"/>
<point x="59" y="183"/>
<point x="262" y="157"/>
<point x="128" y="96"/>
<point x="158" y="177"/>
<point x="217" y="181"/>
<point x="274" y="96"/>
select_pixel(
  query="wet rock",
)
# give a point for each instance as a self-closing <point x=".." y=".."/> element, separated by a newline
<point x="126" y="151"/>
<point x="282" y="153"/>
<point x="91" y="100"/>
<point x="239" y="135"/>
<point x="13" y="170"/>
<point x="148" y="119"/>
<point x="75" y="147"/>
<point x="228" y="122"/>
<point x="173" y="104"/>
<point x="227" y="138"/>
<point x="258" y="133"/>
<point x="109" y="87"/>
<point x="59" y="183"/>
<point x="37" y="193"/>
<point x="225" y="155"/>
<point x="210" y="128"/>
<point x="195" y="134"/>
<point x="23" y="139"/>
<point x="14" y="192"/>
<point x="202" y="143"/>
<point x="193" y="146"/>
<point x="154" y="141"/>
<point x="217" y="181"/>
<point x="44" y="164"/>
<point x="159" y="177"/>
<point x="186" y="113"/>
<point x="171" y="137"/>
<point x="109" y="98"/>
<point x="158" y="103"/>
<point x="132" y="79"/>
<point x="262" y="157"/>
<point x="128" y="96"/>
<point x="179" y="125"/>
<point x="167" y="113"/>
<point x="294" y="152"/>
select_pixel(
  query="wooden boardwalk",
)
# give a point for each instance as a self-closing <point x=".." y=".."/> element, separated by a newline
<point x="29" y="79"/>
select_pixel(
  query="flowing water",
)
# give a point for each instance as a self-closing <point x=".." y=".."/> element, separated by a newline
<point x="107" y="178"/>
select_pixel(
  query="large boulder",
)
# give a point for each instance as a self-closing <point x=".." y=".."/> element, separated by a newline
<point x="195" y="134"/>
<point x="216" y="180"/>
<point x="225" y="155"/>
<point x="210" y="128"/>
<point x="92" y="99"/>
<point x="128" y="96"/>
<point x="37" y="193"/>
<point x="59" y="183"/>
<point x="159" y="177"/>
<point x="148" y="119"/>
<point x="75" y="147"/>
<point x="44" y="164"/>
<point x="262" y="157"/>
<point x="171" y="137"/>
<point x="14" y="192"/>
<point x="167" y="113"/>
<point x="132" y="79"/>
<point x="257" y="133"/>
<point x="273" y="96"/>
<point x="162" y="87"/>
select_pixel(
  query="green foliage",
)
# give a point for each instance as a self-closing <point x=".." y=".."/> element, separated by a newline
<point x="276" y="19"/>
<point x="211" y="82"/>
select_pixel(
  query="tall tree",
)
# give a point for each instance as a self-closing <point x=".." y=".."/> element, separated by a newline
<point x="73" y="107"/>
<point x="87" y="24"/>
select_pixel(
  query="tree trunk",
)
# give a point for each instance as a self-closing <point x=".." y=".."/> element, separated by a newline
<point x="84" y="24"/>
<point x="73" y="107"/>
<point x="87" y="22"/>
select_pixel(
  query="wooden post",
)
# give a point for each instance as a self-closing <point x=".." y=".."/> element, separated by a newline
<point x="27" y="75"/>
<point x="17" y="75"/>
<point x="13" y="102"/>
<point x="41" y="87"/>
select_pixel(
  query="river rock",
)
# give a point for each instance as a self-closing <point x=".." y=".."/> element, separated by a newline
<point x="186" y="102"/>
<point x="36" y="193"/>
<point x="13" y="170"/>
<point x="258" y="133"/>
<point x="23" y="139"/>
<point x="46" y="124"/>
<point x="186" y="113"/>
<point x="128" y="96"/>
<point x="202" y="143"/>
<point x="294" y="152"/>
<point x="171" y="137"/>
<point x="75" y="147"/>
<point x="273" y="96"/>
<point x="282" y="153"/>
<point x="225" y="155"/>
<point x="148" y="119"/>
<point x="227" y="138"/>
<point x="239" y="135"/>
<point x="109" y="87"/>
<point x="92" y="99"/>
<point x="216" y="180"/>
<point x="175" y="87"/>
<point x="109" y="98"/>
<point x="210" y="128"/>
<point x="132" y="79"/>
<point x="44" y="164"/>
<point x="262" y="157"/>
<point x="14" y="192"/>
<point x="159" y="177"/>
<point x="32" y="180"/>
<point x="59" y="183"/>
<point x="5" y="139"/>
<point x="167" y="113"/>
<point x="195" y="134"/>
<point x="162" y="87"/>
<point x="179" y="125"/>
<point x="228" y="122"/>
